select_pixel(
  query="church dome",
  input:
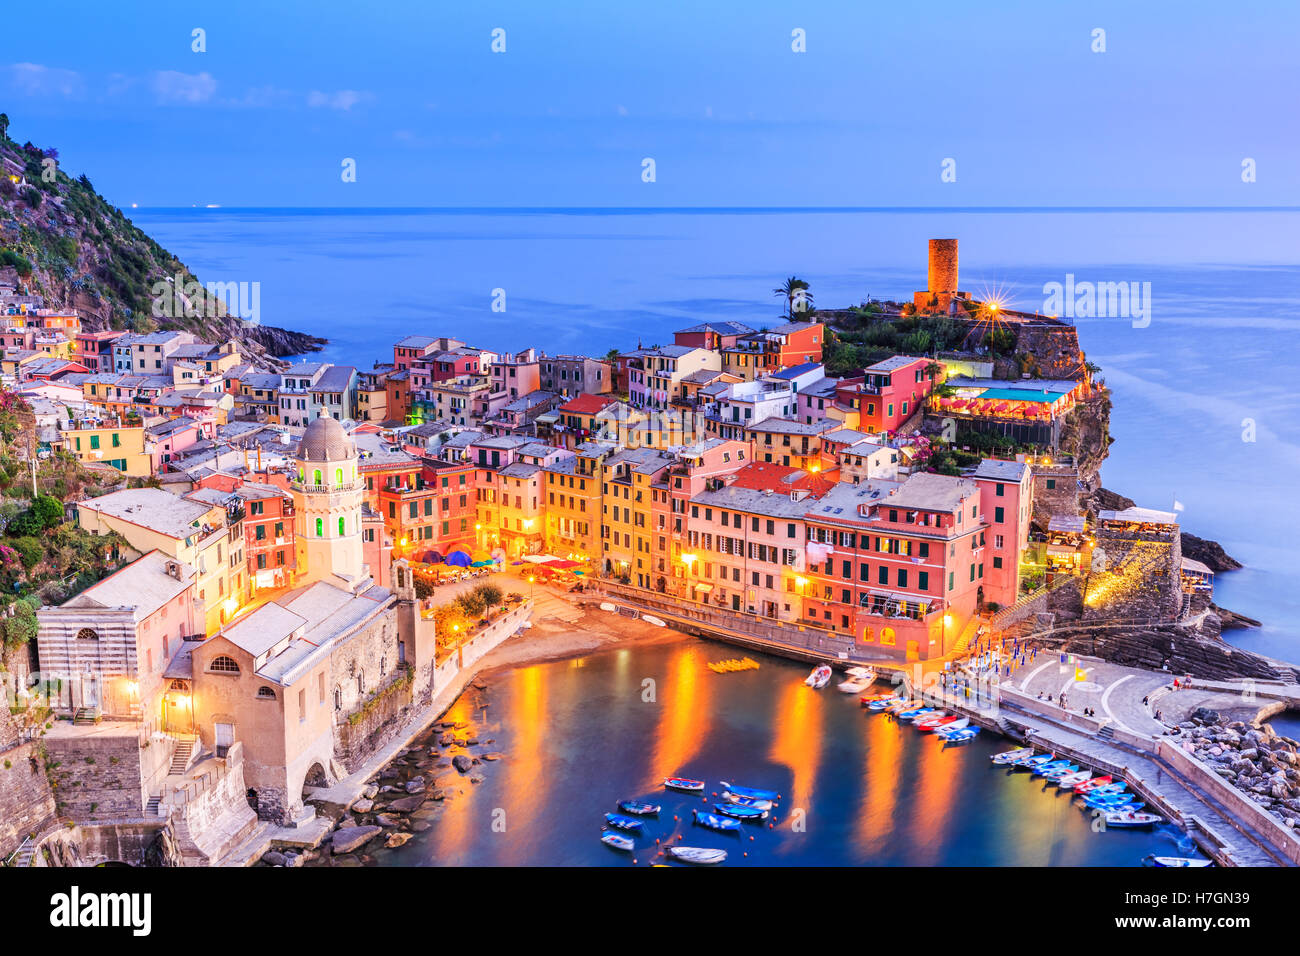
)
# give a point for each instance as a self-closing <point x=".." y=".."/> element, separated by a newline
<point x="325" y="440"/>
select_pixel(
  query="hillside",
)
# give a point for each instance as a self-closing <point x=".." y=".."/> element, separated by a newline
<point x="69" y="245"/>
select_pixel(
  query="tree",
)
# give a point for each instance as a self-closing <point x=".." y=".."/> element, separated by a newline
<point x="22" y="627"/>
<point x="490" y="594"/>
<point x="4" y="126"/>
<point x="48" y="510"/>
<point x="471" y="604"/>
<point x="794" y="288"/>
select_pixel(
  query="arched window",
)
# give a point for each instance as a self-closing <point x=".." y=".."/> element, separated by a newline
<point x="86" y="634"/>
<point x="265" y="693"/>
<point x="338" y="476"/>
<point x="320" y="527"/>
<point x="341" y="531"/>
<point x="361" y="683"/>
<point x="338" y="697"/>
<point x="223" y="665"/>
<point x="887" y="635"/>
<point x="301" y="473"/>
<point x="317" y="475"/>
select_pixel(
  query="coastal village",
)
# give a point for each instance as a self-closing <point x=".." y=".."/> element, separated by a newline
<point x="304" y="563"/>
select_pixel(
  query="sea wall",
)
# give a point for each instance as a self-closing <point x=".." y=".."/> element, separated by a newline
<point x="26" y="801"/>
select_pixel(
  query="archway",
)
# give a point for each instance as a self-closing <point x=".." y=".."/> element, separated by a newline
<point x="315" y="778"/>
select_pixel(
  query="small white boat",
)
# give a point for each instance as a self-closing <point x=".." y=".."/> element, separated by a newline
<point x="651" y="619"/>
<point x="607" y="606"/>
<point x="1178" y="861"/>
<point x="820" y="676"/>
<point x="1009" y="755"/>
<point x="699" y="855"/>
<point x="859" y="679"/>
<point x="1072" y="780"/>
<point x="952" y="728"/>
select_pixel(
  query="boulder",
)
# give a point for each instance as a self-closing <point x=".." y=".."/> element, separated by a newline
<point x="363" y="805"/>
<point x="273" y="858"/>
<point x="493" y="755"/>
<point x="397" y="839"/>
<point x="462" y="763"/>
<point x="369" y="791"/>
<point x="407" y="804"/>
<point x="345" y="841"/>
<point x="387" y="819"/>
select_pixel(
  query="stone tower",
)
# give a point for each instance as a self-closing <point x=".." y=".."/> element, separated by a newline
<point x="327" y="497"/>
<point x="942" y="272"/>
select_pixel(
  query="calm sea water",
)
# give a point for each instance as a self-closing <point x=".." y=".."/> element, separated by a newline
<point x="578" y="736"/>
<point x="1211" y="369"/>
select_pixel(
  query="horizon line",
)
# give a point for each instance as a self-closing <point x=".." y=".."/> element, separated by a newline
<point x="719" y="209"/>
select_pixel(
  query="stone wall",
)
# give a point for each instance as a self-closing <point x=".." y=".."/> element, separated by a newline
<point x="97" y="777"/>
<point x="216" y="816"/>
<point x="1055" y="349"/>
<point x="1061" y="499"/>
<point x="374" y="724"/>
<point x="1142" y="580"/>
<point x="26" y="802"/>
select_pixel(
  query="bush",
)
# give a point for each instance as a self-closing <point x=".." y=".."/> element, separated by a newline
<point x="25" y="524"/>
<point x="49" y="510"/>
<point x="22" y="627"/>
<point x="423" y="589"/>
<point x="30" y="551"/>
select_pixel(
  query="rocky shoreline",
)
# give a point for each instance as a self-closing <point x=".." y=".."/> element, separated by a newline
<point x="1262" y="764"/>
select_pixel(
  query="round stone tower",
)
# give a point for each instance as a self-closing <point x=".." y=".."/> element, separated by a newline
<point x="943" y="266"/>
<point x="327" y="497"/>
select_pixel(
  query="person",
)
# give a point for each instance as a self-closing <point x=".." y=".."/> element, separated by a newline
<point x="1144" y="701"/>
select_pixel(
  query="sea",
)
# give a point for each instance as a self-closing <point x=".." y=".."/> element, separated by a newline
<point x="1205" y="412"/>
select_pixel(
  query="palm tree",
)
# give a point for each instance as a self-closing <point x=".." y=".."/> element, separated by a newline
<point x="794" y="288"/>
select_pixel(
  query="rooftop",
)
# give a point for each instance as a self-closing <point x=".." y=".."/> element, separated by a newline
<point x="150" y="508"/>
<point x="143" y="585"/>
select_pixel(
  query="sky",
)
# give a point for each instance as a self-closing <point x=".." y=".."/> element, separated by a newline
<point x="1013" y="97"/>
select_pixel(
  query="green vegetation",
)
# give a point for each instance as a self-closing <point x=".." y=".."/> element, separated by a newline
<point x="848" y="350"/>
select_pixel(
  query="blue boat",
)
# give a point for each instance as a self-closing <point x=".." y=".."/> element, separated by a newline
<point x="746" y="801"/>
<point x="617" y="841"/>
<point x="1116" y="802"/>
<point x="739" y="812"/>
<point x="1062" y="765"/>
<point x="639" y="809"/>
<point x="752" y="793"/>
<point x="913" y="714"/>
<point x="960" y="736"/>
<point x="622" y="822"/>
<point x="715" y="822"/>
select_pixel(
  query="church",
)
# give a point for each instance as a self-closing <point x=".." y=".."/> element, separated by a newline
<point x="309" y="682"/>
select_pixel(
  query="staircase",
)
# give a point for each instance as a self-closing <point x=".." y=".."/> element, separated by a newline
<point x="83" y="715"/>
<point x="181" y="757"/>
<point x="24" y="854"/>
<point x="151" y="808"/>
<point x="1288" y="677"/>
<point x="1106" y="733"/>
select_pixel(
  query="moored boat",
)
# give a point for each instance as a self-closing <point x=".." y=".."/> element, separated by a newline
<point x="933" y="724"/>
<point x="949" y="729"/>
<point x="638" y="809"/>
<point x="715" y="822"/>
<point x="868" y="699"/>
<point x="684" y="783"/>
<point x="1092" y="784"/>
<point x="699" y="855"/>
<point x="740" y="801"/>
<point x="820" y="676"/>
<point x="622" y="822"/>
<point x="618" y="841"/>
<point x="1033" y="762"/>
<point x="739" y="812"/>
<point x="1008" y="755"/>
<point x="1127" y="818"/>
<point x="959" y="736"/>
<point x="1176" y="861"/>
<point x="753" y="793"/>
<point x="914" y="714"/>
<point x="859" y="679"/>
<point x="1072" y="780"/>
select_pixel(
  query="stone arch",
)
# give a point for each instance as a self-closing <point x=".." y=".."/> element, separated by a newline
<point x="315" y="777"/>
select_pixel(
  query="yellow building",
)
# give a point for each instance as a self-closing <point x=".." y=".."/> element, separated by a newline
<point x="626" y="509"/>
<point x="573" y="503"/>
<point x="120" y="445"/>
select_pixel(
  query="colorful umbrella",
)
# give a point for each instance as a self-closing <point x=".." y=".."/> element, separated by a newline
<point x="458" y="559"/>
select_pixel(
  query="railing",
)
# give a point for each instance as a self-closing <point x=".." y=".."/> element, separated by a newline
<point x="25" y="845"/>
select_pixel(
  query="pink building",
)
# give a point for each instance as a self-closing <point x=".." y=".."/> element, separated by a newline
<point x="891" y="392"/>
<point x="1007" y="502"/>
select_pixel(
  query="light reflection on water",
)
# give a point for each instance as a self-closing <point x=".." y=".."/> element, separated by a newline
<point x="580" y="735"/>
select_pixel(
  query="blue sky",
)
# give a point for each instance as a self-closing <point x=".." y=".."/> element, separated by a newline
<point x="710" y="90"/>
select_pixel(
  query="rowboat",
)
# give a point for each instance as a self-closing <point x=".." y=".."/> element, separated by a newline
<point x="885" y="703"/>
<point x="739" y="812"/>
<point x="746" y="801"/>
<point x="701" y="856"/>
<point x="1092" y="784"/>
<point x="1126" y="818"/>
<point x="911" y="715"/>
<point x="860" y="678"/>
<point x="1008" y="755"/>
<point x="622" y="822"/>
<point x="958" y="723"/>
<point x="1109" y="788"/>
<point x="959" y="736"/>
<point x="1056" y="773"/>
<point x="931" y="724"/>
<point x="651" y="619"/>
<point x="715" y="822"/>
<point x="820" y="676"/>
<point x="617" y="841"/>
<point x="753" y="793"/>
<point x="868" y="699"/>
<point x="1033" y="763"/>
<point x="1047" y="768"/>
<point x="1072" y="780"/>
<point x="1176" y="861"/>
<point x="1118" y="801"/>
<point x="684" y="783"/>
<point x="639" y="809"/>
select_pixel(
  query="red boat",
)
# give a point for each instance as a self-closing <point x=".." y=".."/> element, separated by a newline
<point x="929" y="725"/>
<point x="1090" y="784"/>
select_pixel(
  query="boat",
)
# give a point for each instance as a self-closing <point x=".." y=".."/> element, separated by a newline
<point x="960" y="736"/>
<point x="607" y="606"/>
<point x="1043" y="768"/>
<point x="1106" y="789"/>
<point x="1056" y="773"/>
<point x="820" y="676"/>
<point x="930" y="725"/>
<point x="618" y="841"/>
<point x="684" y="783"/>
<point x="651" y="619"/>
<point x="912" y="715"/>
<point x="752" y="793"/>
<point x="1127" y="818"/>
<point x="699" y="855"/>
<point x="1111" y="801"/>
<point x="746" y="801"/>
<point x="1092" y="784"/>
<point x="860" y="678"/>
<point x="622" y="822"/>
<point x="886" y="703"/>
<point x="1033" y="762"/>
<point x="1072" y="780"/>
<point x="740" y="812"/>
<point x="715" y="822"/>
<point x="1008" y="755"/>
<point x="1176" y="861"/>
<point x="959" y="723"/>
<point x="638" y="809"/>
<point x="868" y="699"/>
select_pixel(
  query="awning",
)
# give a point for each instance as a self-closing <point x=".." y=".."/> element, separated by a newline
<point x="703" y="588"/>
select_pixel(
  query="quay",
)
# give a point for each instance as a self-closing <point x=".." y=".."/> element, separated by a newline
<point x="1124" y="740"/>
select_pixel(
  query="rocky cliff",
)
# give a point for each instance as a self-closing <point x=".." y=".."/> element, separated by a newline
<point x="62" y="241"/>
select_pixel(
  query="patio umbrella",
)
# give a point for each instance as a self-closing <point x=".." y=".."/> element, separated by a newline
<point x="431" y="557"/>
<point x="563" y="565"/>
<point x="458" y="559"/>
<point x="481" y="564"/>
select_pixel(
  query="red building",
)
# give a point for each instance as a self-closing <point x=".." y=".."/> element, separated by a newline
<point x="95" y="349"/>
<point x="268" y="524"/>
<point x="888" y="394"/>
<point x="434" y="509"/>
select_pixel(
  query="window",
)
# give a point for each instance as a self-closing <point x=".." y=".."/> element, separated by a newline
<point x="223" y="665"/>
<point x="320" y="527"/>
<point x="341" y="527"/>
<point x="997" y="514"/>
<point x="1051" y="484"/>
<point x="318" y="479"/>
<point x="265" y="693"/>
<point x="338" y="476"/>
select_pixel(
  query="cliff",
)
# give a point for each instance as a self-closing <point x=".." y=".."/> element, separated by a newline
<point x="64" y="242"/>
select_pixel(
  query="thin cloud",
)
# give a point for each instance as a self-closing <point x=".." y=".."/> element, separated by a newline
<point x="339" y="100"/>
<point x="33" y="79"/>
<point x="189" y="88"/>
